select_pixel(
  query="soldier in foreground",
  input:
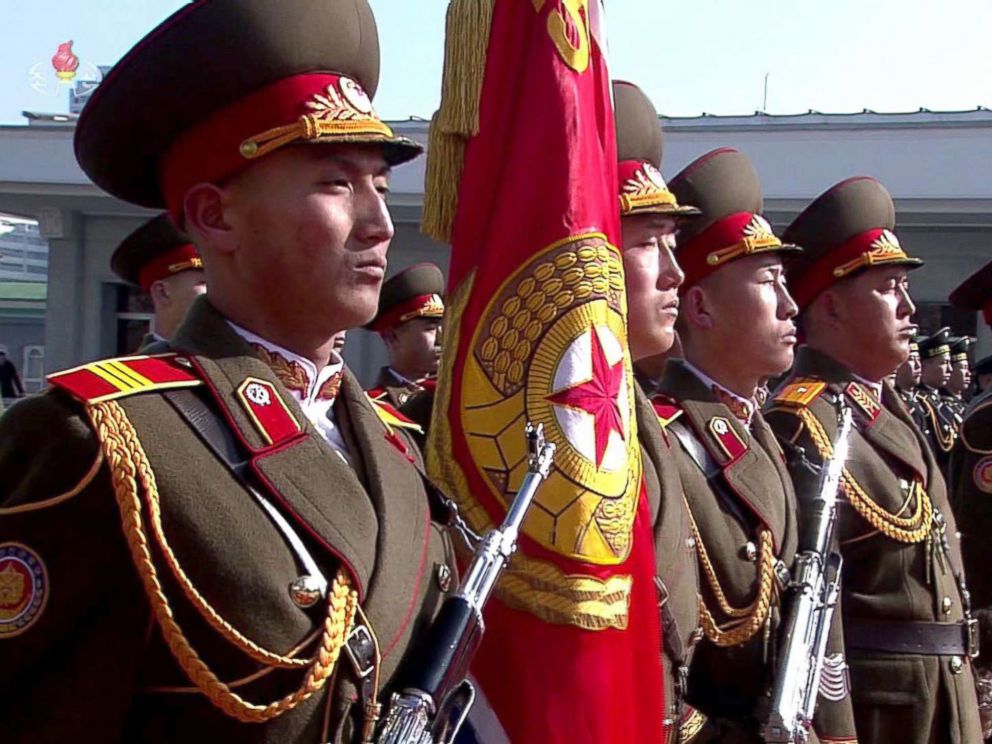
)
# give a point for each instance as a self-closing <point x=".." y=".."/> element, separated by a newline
<point x="741" y="503"/>
<point x="903" y="598"/>
<point x="409" y="322"/>
<point x="162" y="261"/>
<point x="650" y="216"/>
<point x="226" y="543"/>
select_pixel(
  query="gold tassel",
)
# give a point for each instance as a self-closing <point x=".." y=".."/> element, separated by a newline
<point x="467" y="29"/>
<point x="445" y="160"/>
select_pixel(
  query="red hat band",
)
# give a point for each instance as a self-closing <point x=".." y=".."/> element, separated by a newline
<point x="733" y="236"/>
<point x="183" y="258"/>
<point x="421" y="306"/>
<point x="642" y="185"/>
<point x="310" y="107"/>
<point x="871" y="248"/>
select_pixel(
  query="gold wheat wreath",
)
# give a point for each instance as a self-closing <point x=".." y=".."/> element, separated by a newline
<point x="130" y="469"/>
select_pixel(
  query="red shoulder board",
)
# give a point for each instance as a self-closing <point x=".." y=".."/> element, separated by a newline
<point x="391" y="418"/>
<point x="666" y="409"/>
<point x="800" y="392"/>
<point x="108" y="379"/>
<point x="864" y="399"/>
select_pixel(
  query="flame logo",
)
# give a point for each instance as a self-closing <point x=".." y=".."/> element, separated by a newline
<point x="65" y="62"/>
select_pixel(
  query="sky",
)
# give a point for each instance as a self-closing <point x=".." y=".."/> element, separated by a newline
<point x="691" y="56"/>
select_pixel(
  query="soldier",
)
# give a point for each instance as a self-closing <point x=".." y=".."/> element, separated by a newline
<point x="741" y="503"/>
<point x="162" y="261"/>
<point x="970" y="486"/>
<point x="650" y="216"/>
<point x="983" y="375"/>
<point x="903" y="601"/>
<point x="409" y="322"/>
<point x="225" y="542"/>
<point x="940" y="426"/>
<point x="907" y="382"/>
<point x="953" y="392"/>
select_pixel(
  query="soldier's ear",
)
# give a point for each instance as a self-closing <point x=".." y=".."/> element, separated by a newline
<point x="205" y="221"/>
<point x="695" y="309"/>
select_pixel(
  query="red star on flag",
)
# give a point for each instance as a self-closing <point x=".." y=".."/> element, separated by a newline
<point x="599" y="396"/>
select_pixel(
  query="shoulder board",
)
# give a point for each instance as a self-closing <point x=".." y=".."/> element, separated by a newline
<point x="108" y="379"/>
<point x="666" y="410"/>
<point x="392" y="418"/>
<point x="800" y="393"/>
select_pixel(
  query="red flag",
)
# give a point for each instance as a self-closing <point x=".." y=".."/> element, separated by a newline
<point x="536" y="331"/>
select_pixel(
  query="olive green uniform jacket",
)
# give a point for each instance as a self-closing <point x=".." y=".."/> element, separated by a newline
<point x="745" y="519"/>
<point x="971" y="496"/>
<point x="392" y="390"/>
<point x="94" y="664"/>
<point x="677" y="577"/>
<point x="895" y="572"/>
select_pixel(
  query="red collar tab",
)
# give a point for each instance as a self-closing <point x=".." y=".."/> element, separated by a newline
<point x="666" y="410"/>
<point x="421" y="306"/>
<point x="871" y="248"/>
<point x="642" y="186"/>
<point x="734" y="236"/>
<point x="183" y="258"/>
<point x="864" y="400"/>
<point x="310" y="107"/>
<point x="726" y="436"/>
<point x="267" y="411"/>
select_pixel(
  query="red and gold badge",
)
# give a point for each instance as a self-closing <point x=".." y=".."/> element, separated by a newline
<point x="23" y="588"/>
<point x="982" y="475"/>
<point x="552" y="350"/>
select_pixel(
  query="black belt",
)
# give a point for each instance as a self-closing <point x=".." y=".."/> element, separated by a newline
<point x="912" y="637"/>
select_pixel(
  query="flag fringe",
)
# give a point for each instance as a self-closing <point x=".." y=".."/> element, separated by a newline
<point x="467" y="29"/>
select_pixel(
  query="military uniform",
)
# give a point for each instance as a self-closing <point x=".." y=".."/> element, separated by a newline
<point x="739" y="496"/>
<point x="413" y="293"/>
<point x="188" y="552"/>
<point x="909" y="395"/>
<point x="903" y="601"/>
<point x="954" y="403"/>
<point x="156" y="250"/>
<point x="940" y="425"/>
<point x="970" y="481"/>
<point x="643" y="191"/>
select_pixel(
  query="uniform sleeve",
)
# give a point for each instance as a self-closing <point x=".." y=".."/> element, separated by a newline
<point x="833" y="719"/>
<point x="73" y="619"/>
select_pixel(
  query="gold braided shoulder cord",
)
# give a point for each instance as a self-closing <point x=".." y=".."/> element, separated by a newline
<point x="945" y="442"/>
<point x="129" y="466"/>
<point x="910" y="530"/>
<point x="747" y="621"/>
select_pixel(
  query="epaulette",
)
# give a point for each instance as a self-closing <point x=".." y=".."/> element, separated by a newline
<point x="108" y="379"/>
<point x="666" y="410"/>
<point x="391" y="418"/>
<point x="800" y="392"/>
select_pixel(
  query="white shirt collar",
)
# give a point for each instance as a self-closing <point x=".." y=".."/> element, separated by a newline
<point x="299" y="375"/>
<point x="741" y="407"/>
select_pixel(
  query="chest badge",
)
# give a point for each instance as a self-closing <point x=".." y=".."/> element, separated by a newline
<point x="982" y="474"/>
<point x="23" y="588"/>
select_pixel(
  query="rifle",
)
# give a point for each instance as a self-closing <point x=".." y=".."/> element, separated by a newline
<point x="814" y="589"/>
<point x="435" y="694"/>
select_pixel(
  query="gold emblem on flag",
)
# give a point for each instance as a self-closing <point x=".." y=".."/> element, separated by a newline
<point x="551" y="348"/>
